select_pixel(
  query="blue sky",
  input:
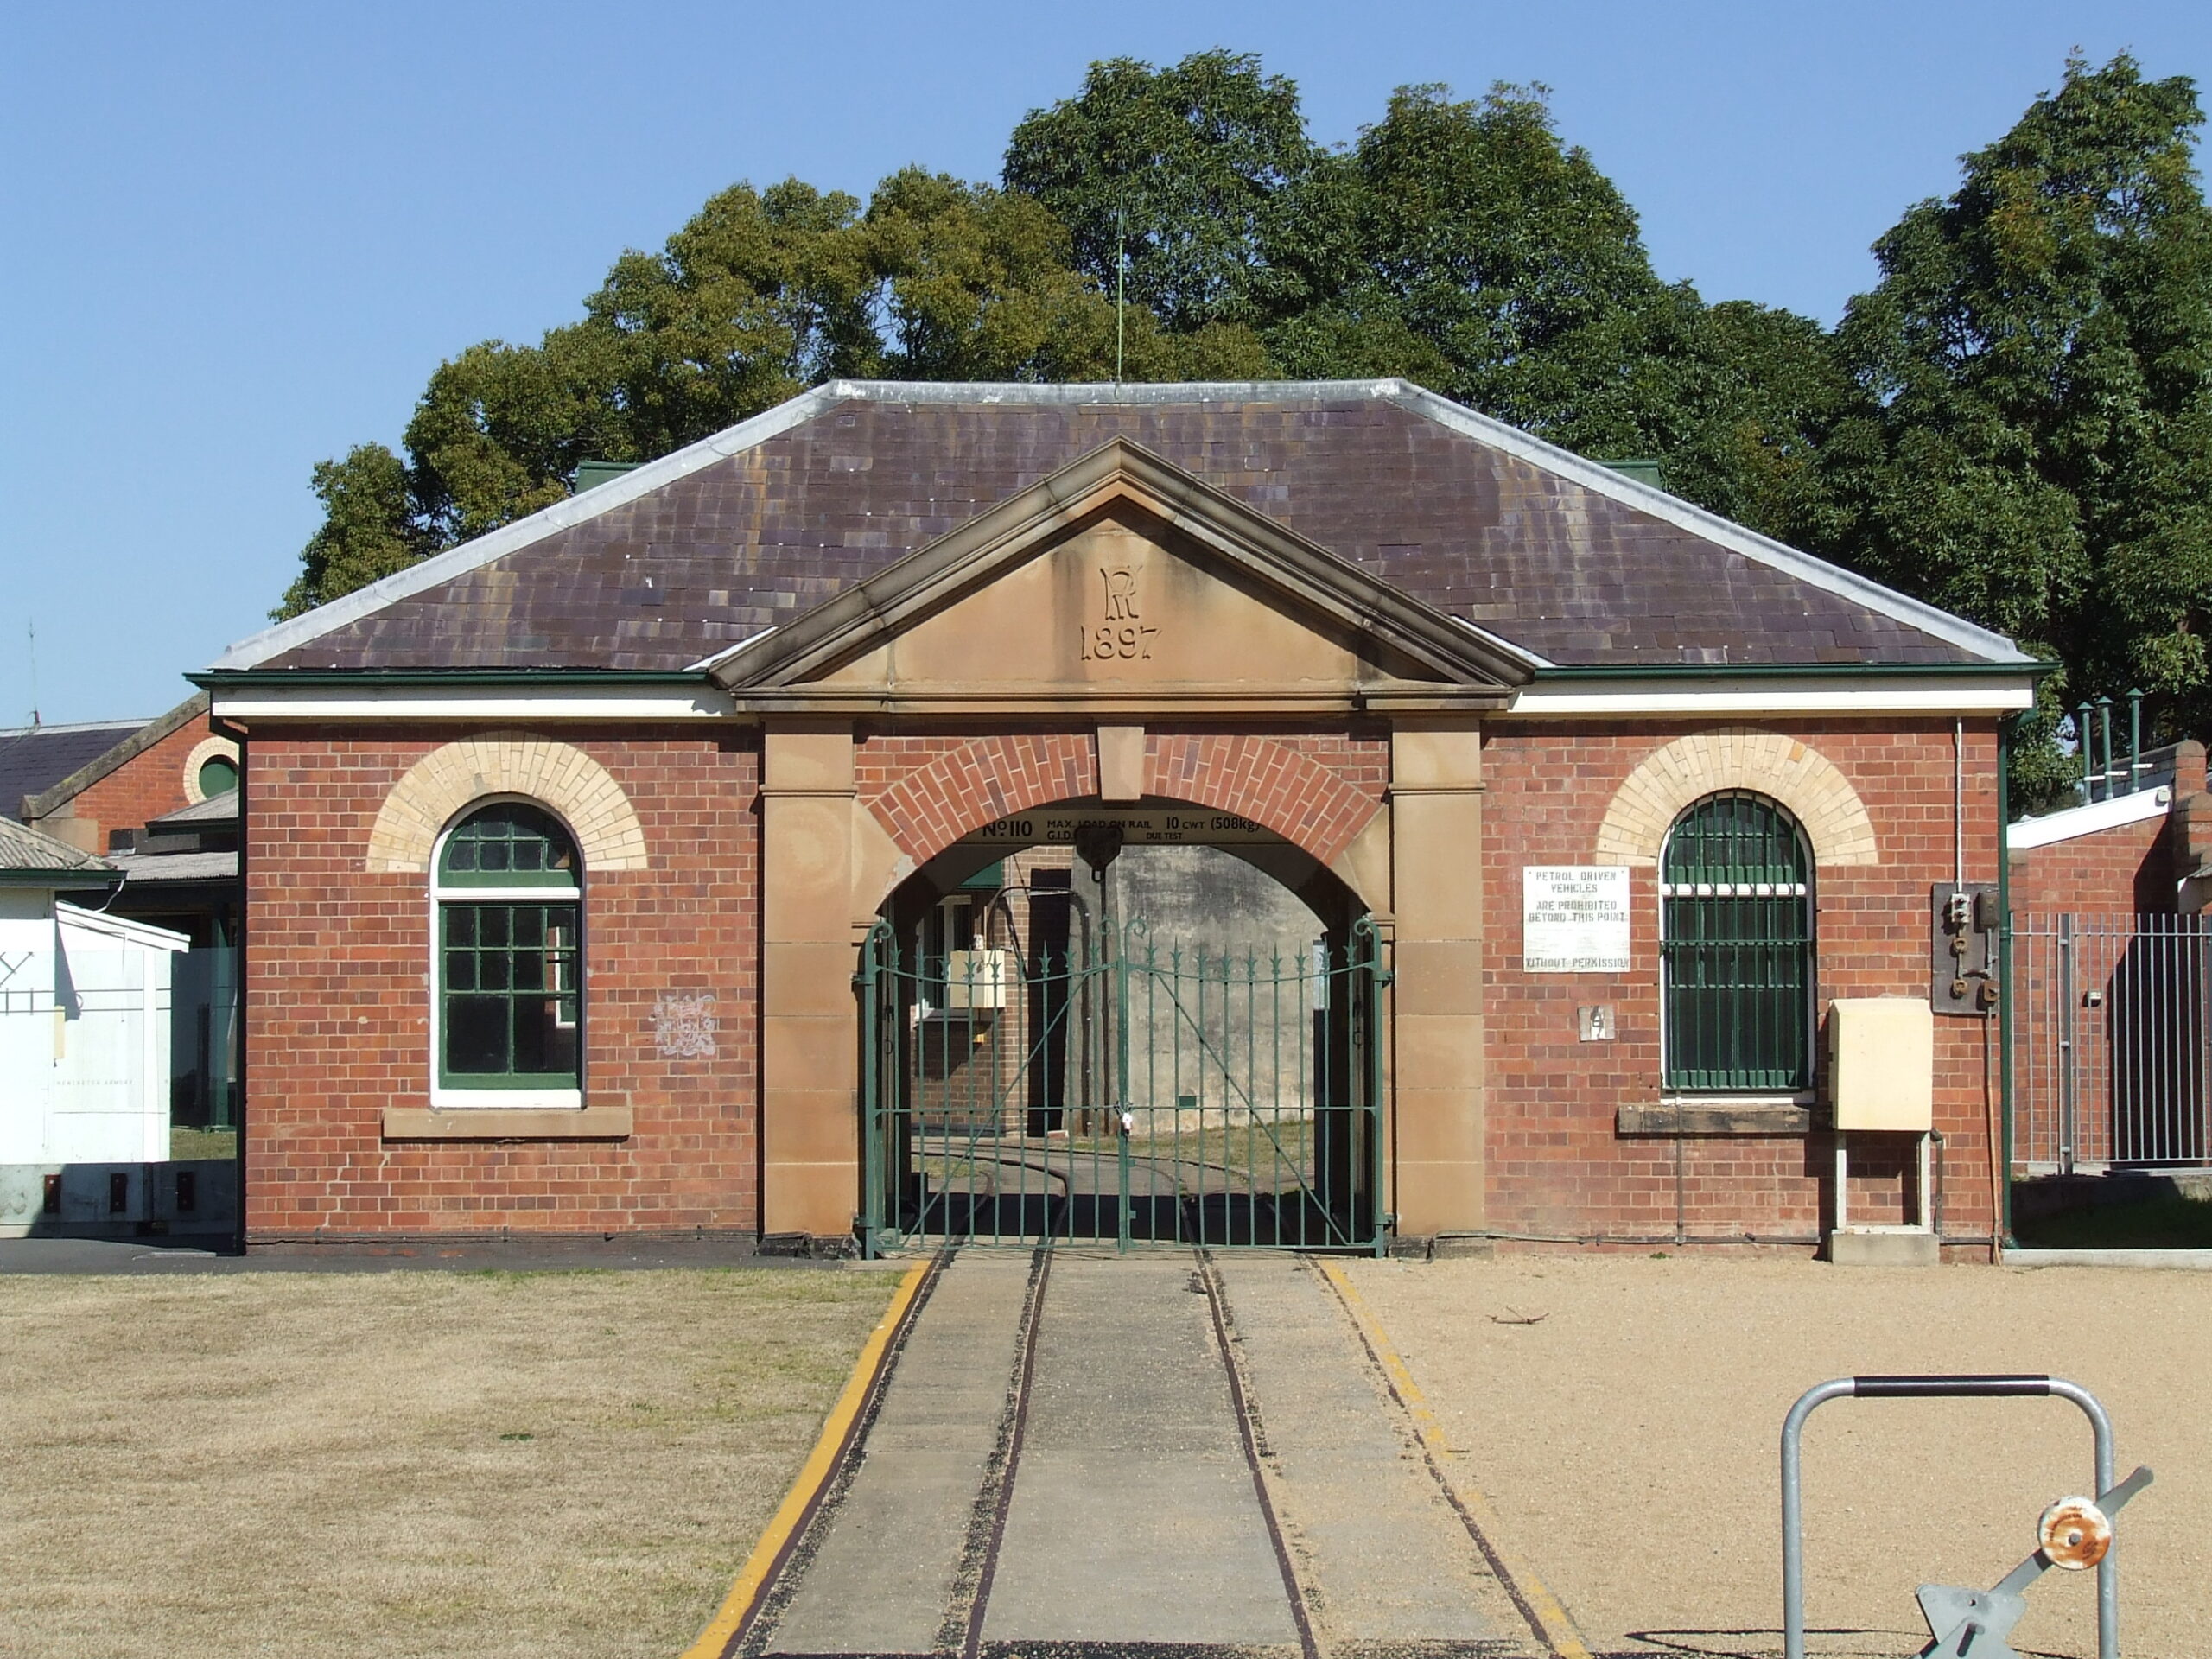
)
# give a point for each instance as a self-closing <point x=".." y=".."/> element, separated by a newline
<point x="238" y="237"/>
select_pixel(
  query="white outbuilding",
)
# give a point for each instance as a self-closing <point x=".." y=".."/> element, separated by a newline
<point x="84" y="1042"/>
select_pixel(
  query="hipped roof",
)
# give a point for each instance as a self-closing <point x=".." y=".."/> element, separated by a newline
<point x="671" y="566"/>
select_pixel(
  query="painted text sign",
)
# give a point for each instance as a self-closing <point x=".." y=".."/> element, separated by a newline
<point x="1573" y="918"/>
<point x="1141" y="826"/>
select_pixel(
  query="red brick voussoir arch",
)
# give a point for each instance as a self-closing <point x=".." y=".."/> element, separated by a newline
<point x="928" y="793"/>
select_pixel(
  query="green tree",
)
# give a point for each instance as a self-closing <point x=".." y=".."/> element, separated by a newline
<point x="370" y="529"/>
<point x="1181" y="171"/>
<point x="2032" y="445"/>
<point x="1460" y="244"/>
<point x="1511" y="254"/>
<point x="762" y="294"/>
<point x="978" y="283"/>
<point x="1749" y="394"/>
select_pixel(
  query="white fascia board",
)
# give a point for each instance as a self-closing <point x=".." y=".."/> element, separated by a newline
<point x="474" y="702"/>
<point x="2089" y="820"/>
<point x="120" y="927"/>
<point x="1604" y="480"/>
<point x="1890" y="694"/>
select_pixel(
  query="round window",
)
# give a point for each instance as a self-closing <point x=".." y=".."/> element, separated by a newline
<point x="219" y="775"/>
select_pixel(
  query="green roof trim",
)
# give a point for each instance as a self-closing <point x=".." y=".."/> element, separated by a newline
<point x="73" y="879"/>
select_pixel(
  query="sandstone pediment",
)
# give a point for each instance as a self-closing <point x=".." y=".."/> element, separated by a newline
<point x="1122" y="581"/>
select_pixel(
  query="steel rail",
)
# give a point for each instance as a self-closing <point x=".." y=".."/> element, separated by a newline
<point x="987" y="1526"/>
<point x="1247" y="1414"/>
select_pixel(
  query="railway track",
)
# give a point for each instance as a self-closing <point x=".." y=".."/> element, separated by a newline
<point x="1085" y="1474"/>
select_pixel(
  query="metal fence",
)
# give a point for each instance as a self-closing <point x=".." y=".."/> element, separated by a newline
<point x="2111" y="1019"/>
<point x="1124" y="1093"/>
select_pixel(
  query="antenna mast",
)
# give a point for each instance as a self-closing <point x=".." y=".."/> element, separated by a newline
<point x="31" y="629"/>
<point x="1121" y="274"/>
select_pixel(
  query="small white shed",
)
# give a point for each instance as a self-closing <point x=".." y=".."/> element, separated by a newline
<point x="84" y="1027"/>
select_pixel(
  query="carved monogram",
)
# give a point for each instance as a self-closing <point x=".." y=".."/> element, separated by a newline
<point x="1123" y="634"/>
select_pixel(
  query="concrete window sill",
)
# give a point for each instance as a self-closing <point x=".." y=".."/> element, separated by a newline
<point x="507" y="1123"/>
<point x="1779" y="1116"/>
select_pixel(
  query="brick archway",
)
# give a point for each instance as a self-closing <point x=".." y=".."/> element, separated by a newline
<point x="929" y="805"/>
<point x="1793" y="772"/>
<point x="558" y="774"/>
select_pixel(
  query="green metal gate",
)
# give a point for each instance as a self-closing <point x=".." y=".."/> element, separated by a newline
<point x="1125" y="1093"/>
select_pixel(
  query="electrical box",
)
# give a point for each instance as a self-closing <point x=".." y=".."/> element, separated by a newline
<point x="1962" y="927"/>
<point x="975" y="979"/>
<point x="1882" y="1063"/>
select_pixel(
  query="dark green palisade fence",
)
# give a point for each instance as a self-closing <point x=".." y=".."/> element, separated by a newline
<point x="1125" y="1093"/>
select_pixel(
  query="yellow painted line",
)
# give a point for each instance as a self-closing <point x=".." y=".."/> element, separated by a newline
<point x="821" y="1463"/>
<point x="1554" y="1626"/>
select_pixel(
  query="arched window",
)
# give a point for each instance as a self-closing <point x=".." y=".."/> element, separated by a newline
<point x="1735" y="948"/>
<point x="509" y="964"/>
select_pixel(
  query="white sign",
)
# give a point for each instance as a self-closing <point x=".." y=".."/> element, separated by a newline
<point x="1573" y="918"/>
<point x="1141" y="826"/>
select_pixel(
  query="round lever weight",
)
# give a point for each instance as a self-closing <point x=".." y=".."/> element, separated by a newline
<point x="2073" y="1533"/>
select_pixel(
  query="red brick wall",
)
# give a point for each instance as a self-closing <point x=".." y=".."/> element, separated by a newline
<point x="1557" y="1165"/>
<point x="338" y="987"/>
<point x="1317" y="789"/>
<point x="337" y="978"/>
<point x="145" y="786"/>
<point x="2119" y="871"/>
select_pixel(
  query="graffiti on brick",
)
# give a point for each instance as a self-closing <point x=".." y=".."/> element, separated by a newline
<point x="684" y="1026"/>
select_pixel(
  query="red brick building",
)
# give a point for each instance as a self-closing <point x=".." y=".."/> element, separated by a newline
<point x="599" y="870"/>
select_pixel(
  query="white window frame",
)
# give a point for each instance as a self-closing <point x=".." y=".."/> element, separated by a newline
<point x="443" y="1096"/>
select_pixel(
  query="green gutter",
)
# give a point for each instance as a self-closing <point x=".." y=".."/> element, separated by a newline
<point x="2006" y="730"/>
<point x="72" y="879"/>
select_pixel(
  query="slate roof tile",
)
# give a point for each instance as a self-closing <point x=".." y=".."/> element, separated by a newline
<point x="749" y="540"/>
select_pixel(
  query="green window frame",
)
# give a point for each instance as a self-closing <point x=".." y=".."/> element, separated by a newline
<point x="217" y="775"/>
<point x="509" y="915"/>
<point x="1736" y="948"/>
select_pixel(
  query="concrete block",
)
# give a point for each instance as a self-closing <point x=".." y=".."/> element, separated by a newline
<point x="1903" y="1247"/>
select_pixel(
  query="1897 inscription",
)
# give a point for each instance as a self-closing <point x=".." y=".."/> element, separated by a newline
<point x="1123" y="635"/>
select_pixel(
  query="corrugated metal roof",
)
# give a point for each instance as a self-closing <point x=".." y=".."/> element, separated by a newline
<point x="216" y="809"/>
<point x="144" y="869"/>
<point x="25" y="850"/>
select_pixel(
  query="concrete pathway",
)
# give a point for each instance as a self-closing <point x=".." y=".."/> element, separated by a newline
<point x="885" y="1575"/>
<point x="1066" y="1458"/>
<point x="1134" y="1516"/>
<point x="1386" y="1561"/>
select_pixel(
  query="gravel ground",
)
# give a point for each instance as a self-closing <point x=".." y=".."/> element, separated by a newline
<point x="1628" y="1437"/>
<point x="391" y="1464"/>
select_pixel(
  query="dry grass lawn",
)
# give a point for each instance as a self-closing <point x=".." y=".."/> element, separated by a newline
<point x="387" y="1464"/>
<point x="1629" y="1439"/>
